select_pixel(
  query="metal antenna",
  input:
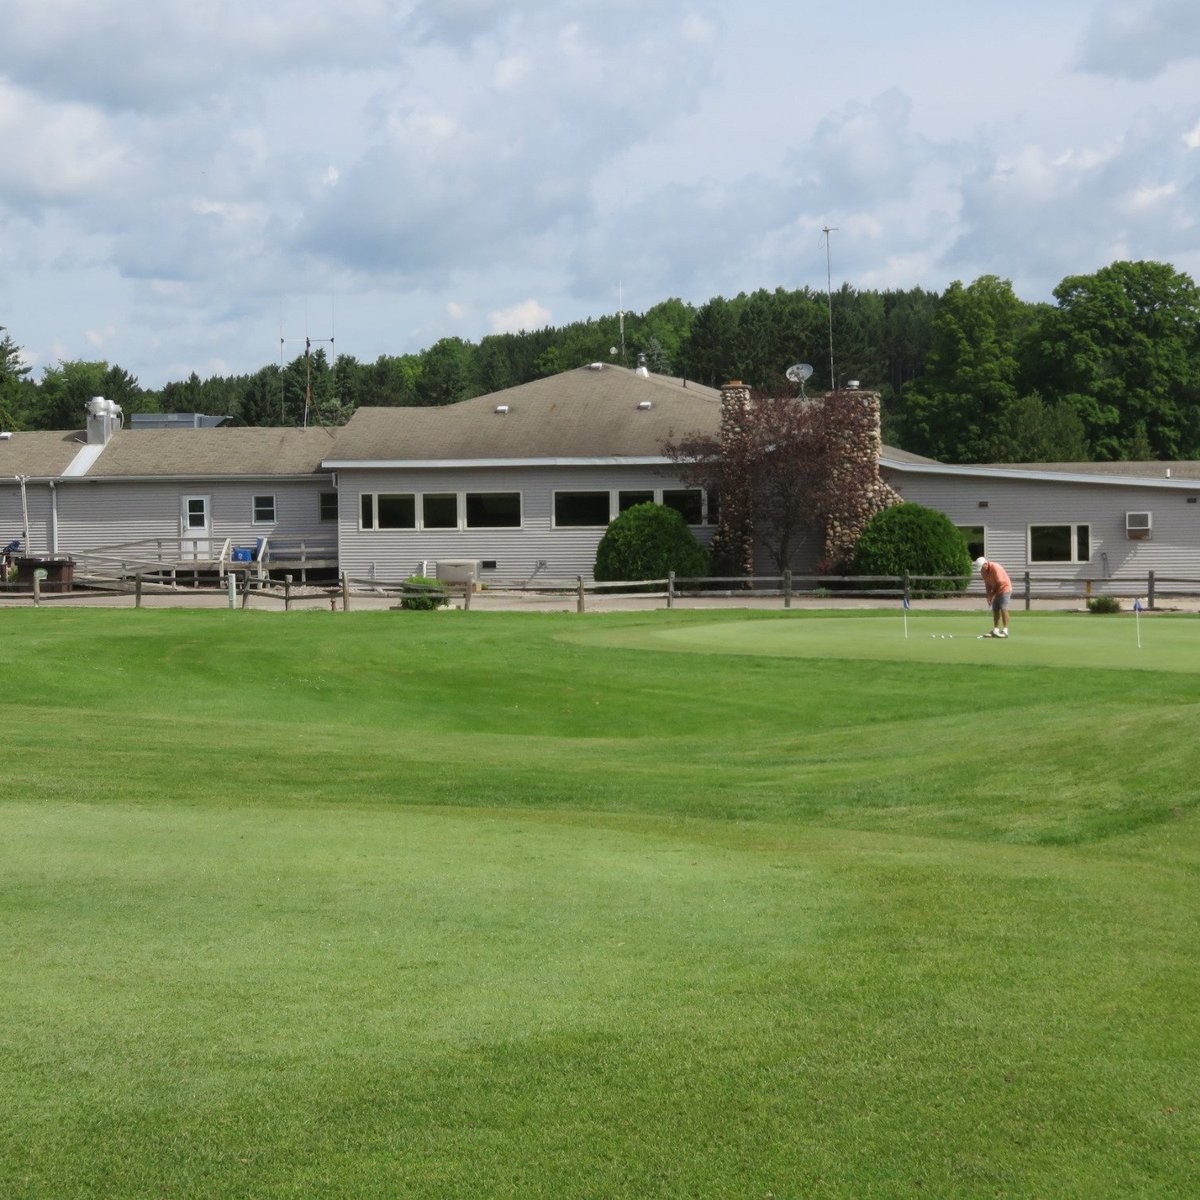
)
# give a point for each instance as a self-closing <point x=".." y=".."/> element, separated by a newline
<point x="308" y="345"/>
<point x="621" y="314"/>
<point x="827" y="230"/>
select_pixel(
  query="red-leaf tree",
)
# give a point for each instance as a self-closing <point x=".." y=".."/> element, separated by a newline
<point x="786" y="466"/>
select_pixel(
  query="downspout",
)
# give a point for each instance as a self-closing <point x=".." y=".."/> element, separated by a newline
<point x="53" y="520"/>
<point x="24" y="517"/>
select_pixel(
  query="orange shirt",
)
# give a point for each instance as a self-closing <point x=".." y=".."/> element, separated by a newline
<point x="995" y="579"/>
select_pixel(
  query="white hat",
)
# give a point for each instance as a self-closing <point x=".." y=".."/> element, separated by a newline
<point x="980" y="562"/>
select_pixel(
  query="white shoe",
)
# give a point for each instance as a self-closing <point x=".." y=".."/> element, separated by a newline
<point x="1003" y="633"/>
<point x="995" y="633"/>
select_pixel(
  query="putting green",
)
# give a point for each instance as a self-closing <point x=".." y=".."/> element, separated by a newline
<point x="1168" y="643"/>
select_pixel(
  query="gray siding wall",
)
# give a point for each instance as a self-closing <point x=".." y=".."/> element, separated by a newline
<point x="95" y="513"/>
<point x="396" y="553"/>
<point x="1172" y="551"/>
<point x="37" y="497"/>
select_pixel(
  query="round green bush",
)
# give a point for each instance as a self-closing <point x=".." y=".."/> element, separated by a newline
<point x="428" y="594"/>
<point x="646" y="542"/>
<point x="914" y="539"/>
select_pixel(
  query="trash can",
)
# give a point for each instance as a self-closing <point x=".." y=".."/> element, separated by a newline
<point x="54" y="574"/>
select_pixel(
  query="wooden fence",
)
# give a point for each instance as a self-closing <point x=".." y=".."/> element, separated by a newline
<point x="583" y="594"/>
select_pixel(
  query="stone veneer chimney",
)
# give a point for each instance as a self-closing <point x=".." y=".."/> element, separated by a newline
<point x="733" y="544"/>
<point x="859" y="490"/>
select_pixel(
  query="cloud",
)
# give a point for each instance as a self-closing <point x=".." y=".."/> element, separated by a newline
<point x="55" y="153"/>
<point x="1040" y="218"/>
<point x="526" y="315"/>
<point x="127" y="55"/>
<point x="1139" y="39"/>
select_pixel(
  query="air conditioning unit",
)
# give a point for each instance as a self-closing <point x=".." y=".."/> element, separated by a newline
<point x="458" y="570"/>
<point x="1137" y="525"/>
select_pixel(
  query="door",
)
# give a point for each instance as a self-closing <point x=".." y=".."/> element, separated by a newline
<point x="195" y="527"/>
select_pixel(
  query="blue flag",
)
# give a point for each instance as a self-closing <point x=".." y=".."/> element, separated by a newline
<point x="1137" y="606"/>
<point x="906" y="603"/>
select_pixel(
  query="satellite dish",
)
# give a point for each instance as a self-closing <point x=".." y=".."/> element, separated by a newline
<point x="799" y="373"/>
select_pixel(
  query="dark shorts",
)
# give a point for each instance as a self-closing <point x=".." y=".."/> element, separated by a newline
<point x="1000" y="603"/>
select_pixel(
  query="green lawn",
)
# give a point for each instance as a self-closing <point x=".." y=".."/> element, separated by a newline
<point x="638" y="905"/>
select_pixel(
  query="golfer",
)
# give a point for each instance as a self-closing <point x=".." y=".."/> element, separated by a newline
<point x="999" y="593"/>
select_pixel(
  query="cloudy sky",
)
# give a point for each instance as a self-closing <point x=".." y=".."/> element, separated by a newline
<point x="183" y="184"/>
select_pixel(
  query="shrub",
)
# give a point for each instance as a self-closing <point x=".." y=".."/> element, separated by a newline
<point x="1103" y="604"/>
<point x="646" y="542"/>
<point x="429" y="594"/>
<point x="914" y="539"/>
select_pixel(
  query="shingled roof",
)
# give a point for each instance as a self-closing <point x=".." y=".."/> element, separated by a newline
<point x="38" y="454"/>
<point x="600" y="412"/>
<point x="172" y="453"/>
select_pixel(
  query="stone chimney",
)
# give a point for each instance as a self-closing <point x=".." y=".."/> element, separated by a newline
<point x="733" y="543"/>
<point x="858" y="490"/>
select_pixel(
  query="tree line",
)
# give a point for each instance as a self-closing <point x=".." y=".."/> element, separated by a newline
<point x="1110" y="370"/>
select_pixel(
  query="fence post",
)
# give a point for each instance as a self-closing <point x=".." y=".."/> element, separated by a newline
<point x="670" y="589"/>
<point x="246" y="593"/>
<point x="467" y="590"/>
<point x="1150" y="591"/>
<point x="581" y="605"/>
<point x="1028" y="591"/>
<point x="137" y="590"/>
<point x="345" y="591"/>
<point x="287" y="593"/>
<point x="37" y="590"/>
<point x="787" y="588"/>
<point x="231" y="587"/>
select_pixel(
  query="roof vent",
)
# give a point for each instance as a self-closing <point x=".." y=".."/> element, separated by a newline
<point x="852" y="384"/>
<point x="502" y="409"/>
<point x="644" y="404"/>
<point x="595" y="366"/>
<point x="5" y="435"/>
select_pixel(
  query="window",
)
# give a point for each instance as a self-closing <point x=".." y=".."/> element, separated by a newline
<point x="387" y="510"/>
<point x="327" y="506"/>
<point x="581" y="509"/>
<point x="264" y="510"/>
<point x="493" y="510"/>
<point x="195" y="512"/>
<point x="439" y="510"/>
<point x="1060" y="543"/>
<point x="688" y="501"/>
<point x="629" y="499"/>
<point x="973" y="536"/>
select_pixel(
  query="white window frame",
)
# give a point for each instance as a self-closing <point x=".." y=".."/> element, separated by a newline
<point x="1074" y="527"/>
<point x="374" y="526"/>
<point x="614" y="503"/>
<point x="464" y="503"/>
<point x="983" y="544"/>
<point x="418" y="497"/>
<point x="254" y="507"/>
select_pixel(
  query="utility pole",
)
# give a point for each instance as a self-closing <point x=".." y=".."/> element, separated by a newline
<point x="827" y="230"/>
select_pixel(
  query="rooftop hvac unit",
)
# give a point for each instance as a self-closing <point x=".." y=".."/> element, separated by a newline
<point x="1137" y="525"/>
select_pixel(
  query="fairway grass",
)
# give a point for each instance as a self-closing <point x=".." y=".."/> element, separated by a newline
<point x="667" y="904"/>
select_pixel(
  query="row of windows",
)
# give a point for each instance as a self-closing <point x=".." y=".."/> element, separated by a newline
<point x="502" y="510"/>
<point x="1047" y="543"/>
<point x="263" y="508"/>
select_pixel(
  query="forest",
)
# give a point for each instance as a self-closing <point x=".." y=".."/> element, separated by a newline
<point x="1109" y="371"/>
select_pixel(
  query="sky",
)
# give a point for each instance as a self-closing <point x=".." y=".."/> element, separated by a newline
<point x="199" y="186"/>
